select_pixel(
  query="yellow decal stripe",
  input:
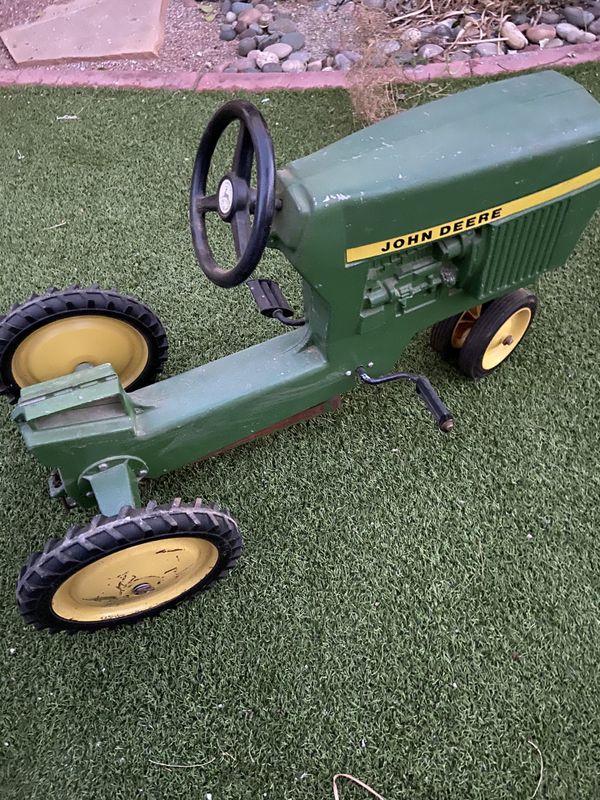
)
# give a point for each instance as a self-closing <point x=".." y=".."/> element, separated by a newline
<point x="406" y="240"/>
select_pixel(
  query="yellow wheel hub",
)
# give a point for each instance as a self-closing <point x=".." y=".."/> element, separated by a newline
<point x="506" y="338"/>
<point x="463" y="327"/>
<point x="59" y="347"/>
<point x="135" y="580"/>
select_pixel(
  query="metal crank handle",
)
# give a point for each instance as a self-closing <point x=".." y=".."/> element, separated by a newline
<point x="435" y="404"/>
<point x="425" y="390"/>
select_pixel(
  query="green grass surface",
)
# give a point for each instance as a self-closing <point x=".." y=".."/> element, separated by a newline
<point x="410" y="608"/>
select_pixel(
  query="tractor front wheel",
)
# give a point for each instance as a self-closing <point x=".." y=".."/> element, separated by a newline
<point x="127" y="567"/>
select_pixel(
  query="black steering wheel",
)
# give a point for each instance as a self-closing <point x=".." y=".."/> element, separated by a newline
<point x="235" y="200"/>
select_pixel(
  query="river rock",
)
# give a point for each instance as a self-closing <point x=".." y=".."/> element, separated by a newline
<point x="594" y="8"/>
<point x="250" y="16"/>
<point x="314" y="66"/>
<point x="570" y="33"/>
<point x="445" y="32"/>
<point x="373" y="4"/>
<point x="293" y="66"/>
<point x="550" y="18"/>
<point x="266" y="57"/>
<point x="272" y="67"/>
<point x="280" y="50"/>
<point x="267" y="41"/>
<point x="246" y="45"/>
<point x="538" y="33"/>
<point x="265" y="20"/>
<point x="295" y="40"/>
<point x="342" y="62"/>
<point x="252" y="55"/>
<point x="552" y="44"/>
<point x="242" y="63"/>
<point x="485" y="49"/>
<point x="430" y="51"/>
<point x="411" y="36"/>
<point x="247" y="34"/>
<point x="299" y="55"/>
<point x="595" y="27"/>
<point x="230" y="17"/>
<point x="389" y="46"/>
<point x="519" y="19"/>
<point x="514" y="38"/>
<point x="227" y="34"/>
<point x="282" y="25"/>
<point x="238" y="7"/>
<point x="586" y="38"/>
<point x="577" y="16"/>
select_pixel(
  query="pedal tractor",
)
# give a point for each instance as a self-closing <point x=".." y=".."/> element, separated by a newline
<point x="434" y="217"/>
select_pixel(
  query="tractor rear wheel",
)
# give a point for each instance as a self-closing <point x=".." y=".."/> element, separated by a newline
<point x="496" y="334"/>
<point x="448" y="336"/>
<point x="124" y="568"/>
<point x="60" y="331"/>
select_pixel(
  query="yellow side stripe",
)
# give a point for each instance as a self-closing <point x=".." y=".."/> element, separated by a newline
<point x="406" y="240"/>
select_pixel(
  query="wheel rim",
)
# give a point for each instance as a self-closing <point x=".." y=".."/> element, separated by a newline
<point x="463" y="326"/>
<point x="135" y="580"/>
<point x="506" y="338"/>
<point x="60" y="347"/>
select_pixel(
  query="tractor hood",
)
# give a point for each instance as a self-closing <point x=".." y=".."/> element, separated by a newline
<point x="451" y="159"/>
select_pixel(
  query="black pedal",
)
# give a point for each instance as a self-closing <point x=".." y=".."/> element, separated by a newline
<point x="269" y="298"/>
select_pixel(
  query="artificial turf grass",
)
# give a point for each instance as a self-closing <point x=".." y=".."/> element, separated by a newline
<point x="410" y="607"/>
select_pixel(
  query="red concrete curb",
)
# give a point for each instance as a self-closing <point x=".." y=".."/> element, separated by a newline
<point x="251" y="82"/>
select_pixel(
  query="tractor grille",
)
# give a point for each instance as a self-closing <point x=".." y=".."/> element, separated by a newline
<point x="521" y="248"/>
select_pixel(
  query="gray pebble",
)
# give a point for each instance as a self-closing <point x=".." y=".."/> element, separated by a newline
<point x="239" y="27"/>
<point x="445" y="32"/>
<point x="373" y="3"/>
<point x="282" y="25"/>
<point x="245" y="45"/>
<point x="553" y="44"/>
<point x="280" y="50"/>
<point x="577" y="16"/>
<point x="351" y="55"/>
<point x="459" y="55"/>
<point x="242" y="63"/>
<point x="271" y="67"/>
<point x="230" y="69"/>
<point x="247" y="34"/>
<point x="570" y="33"/>
<point x="225" y="6"/>
<point x="314" y="66"/>
<point x="293" y="66"/>
<point x="267" y="41"/>
<point x="430" y="51"/>
<point x="550" y="18"/>
<point x="342" y="62"/>
<point x="594" y="8"/>
<point x="295" y="40"/>
<point x="238" y="7"/>
<point x="321" y="5"/>
<point x="520" y="19"/>
<point x="266" y="58"/>
<point x="595" y="27"/>
<point x="485" y="49"/>
<point x="586" y="38"/>
<point x="230" y="17"/>
<point x="255" y="29"/>
<point x="227" y="34"/>
<point x="299" y="55"/>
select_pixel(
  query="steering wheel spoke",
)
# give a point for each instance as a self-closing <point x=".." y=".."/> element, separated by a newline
<point x="240" y="228"/>
<point x="208" y="203"/>
<point x="248" y="211"/>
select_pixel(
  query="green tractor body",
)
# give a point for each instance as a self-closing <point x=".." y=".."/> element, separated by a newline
<point x="405" y="223"/>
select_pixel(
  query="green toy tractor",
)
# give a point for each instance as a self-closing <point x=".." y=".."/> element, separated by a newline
<point x="434" y="218"/>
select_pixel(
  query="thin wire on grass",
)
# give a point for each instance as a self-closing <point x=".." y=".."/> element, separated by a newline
<point x="181" y="766"/>
<point x="541" y="778"/>
<point x="336" y="791"/>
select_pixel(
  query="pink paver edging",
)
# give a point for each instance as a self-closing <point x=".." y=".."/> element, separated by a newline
<point x="251" y="82"/>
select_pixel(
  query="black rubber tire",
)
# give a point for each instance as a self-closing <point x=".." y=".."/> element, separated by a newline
<point x="54" y="304"/>
<point x="45" y="571"/>
<point x="493" y="317"/>
<point x="440" y="338"/>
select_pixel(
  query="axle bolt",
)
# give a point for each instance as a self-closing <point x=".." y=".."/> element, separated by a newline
<point x="142" y="588"/>
<point x="103" y="466"/>
<point x="508" y="340"/>
<point x="142" y="473"/>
